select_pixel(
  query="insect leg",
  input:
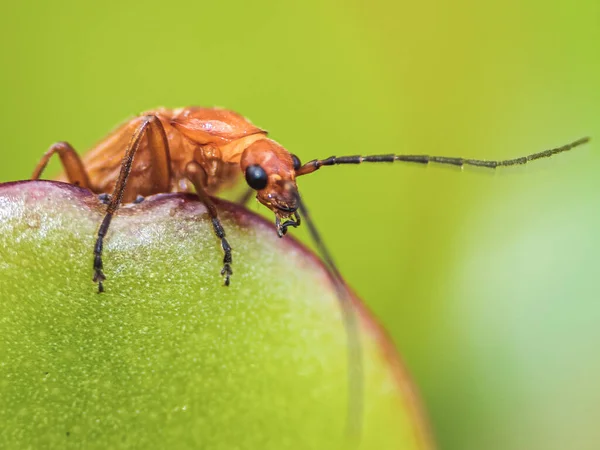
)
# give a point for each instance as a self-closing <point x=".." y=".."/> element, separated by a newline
<point x="158" y="145"/>
<point x="354" y="419"/>
<point x="71" y="162"/>
<point x="196" y="174"/>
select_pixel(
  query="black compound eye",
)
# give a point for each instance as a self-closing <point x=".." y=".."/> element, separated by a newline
<point x="297" y="163"/>
<point x="256" y="177"/>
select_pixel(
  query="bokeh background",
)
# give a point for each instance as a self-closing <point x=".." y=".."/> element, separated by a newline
<point x="487" y="282"/>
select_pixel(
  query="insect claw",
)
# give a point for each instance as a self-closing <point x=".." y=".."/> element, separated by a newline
<point x="226" y="270"/>
<point x="99" y="276"/>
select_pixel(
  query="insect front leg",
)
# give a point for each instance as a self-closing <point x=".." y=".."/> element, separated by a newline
<point x="71" y="162"/>
<point x="158" y="145"/>
<point x="196" y="174"/>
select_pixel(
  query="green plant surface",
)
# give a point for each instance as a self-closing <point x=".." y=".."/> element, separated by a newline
<point x="167" y="357"/>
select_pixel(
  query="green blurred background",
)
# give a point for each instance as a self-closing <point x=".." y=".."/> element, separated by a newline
<point x="487" y="282"/>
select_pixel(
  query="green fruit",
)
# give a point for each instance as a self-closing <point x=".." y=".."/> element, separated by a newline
<point x="167" y="357"/>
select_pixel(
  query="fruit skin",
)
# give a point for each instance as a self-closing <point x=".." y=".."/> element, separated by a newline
<point x="167" y="357"/>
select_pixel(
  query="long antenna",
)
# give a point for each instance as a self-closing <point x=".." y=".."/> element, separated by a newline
<point x="316" y="164"/>
<point x="355" y="369"/>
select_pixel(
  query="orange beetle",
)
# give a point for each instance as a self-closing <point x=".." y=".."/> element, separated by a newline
<point x="202" y="150"/>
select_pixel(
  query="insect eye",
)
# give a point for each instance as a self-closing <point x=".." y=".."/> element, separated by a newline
<point x="296" y="161"/>
<point x="256" y="177"/>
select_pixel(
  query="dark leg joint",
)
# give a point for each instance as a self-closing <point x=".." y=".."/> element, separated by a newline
<point x="219" y="231"/>
<point x="227" y="258"/>
<point x="104" y="198"/>
<point x="99" y="276"/>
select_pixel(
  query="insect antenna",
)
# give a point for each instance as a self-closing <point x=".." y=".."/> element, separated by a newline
<point x="355" y="358"/>
<point x="315" y="164"/>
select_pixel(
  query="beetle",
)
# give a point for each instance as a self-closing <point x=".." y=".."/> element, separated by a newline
<point x="202" y="150"/>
